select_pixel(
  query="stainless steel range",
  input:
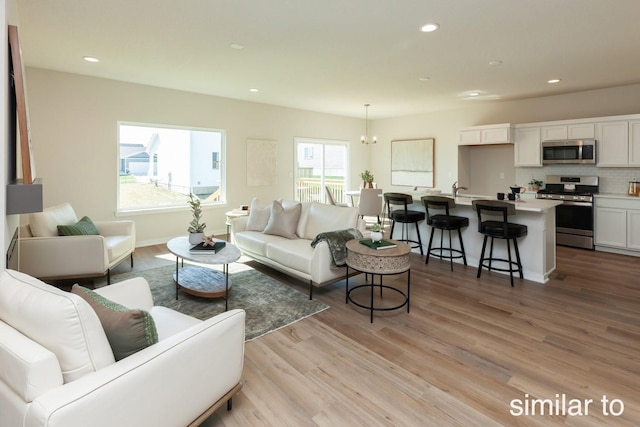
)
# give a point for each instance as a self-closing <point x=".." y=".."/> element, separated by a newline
<point x="575" y="216"/>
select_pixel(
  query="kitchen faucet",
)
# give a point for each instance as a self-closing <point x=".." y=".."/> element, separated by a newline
<point x="455" y="188"/>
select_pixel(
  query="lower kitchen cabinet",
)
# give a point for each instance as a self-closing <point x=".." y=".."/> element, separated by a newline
<point x="618" y="224"/>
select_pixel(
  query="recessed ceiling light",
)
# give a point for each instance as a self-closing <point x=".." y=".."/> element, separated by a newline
<point x="254" y="90"/>
<point x="425" y="79"/>
<point x="237" y="46"/>
<point x="90" y="59"/>
<point x="427" y="28"/>
<point x="496" y="62"/>
<point x="474" y="93"/>
<point x="554" y="81"/>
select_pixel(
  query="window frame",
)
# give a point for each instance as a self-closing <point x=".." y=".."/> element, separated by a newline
<point x="324" y="142"/>
<point x="172" y="208"/>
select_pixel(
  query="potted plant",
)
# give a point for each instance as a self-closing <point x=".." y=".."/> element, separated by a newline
<point x="196" y="228"/>
<point x="376" y="233"/>
<point x="367" y="179"/>
<point x="535" y="184"/>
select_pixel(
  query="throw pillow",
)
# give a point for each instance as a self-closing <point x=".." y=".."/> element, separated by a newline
<point x="283" y="222"/>
<point x="128" y="331"/>
<point x="84" y="227"/>
<point x="258" y="215"/>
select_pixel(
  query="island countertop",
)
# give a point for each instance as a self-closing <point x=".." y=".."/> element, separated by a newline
<point x="525" y="205"/>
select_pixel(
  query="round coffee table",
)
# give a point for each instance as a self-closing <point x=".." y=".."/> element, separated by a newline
<point x="380" y="262"/>
<point x="202" y="281"/>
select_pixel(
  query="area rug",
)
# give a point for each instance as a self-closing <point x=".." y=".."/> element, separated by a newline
<point x="269" y="304"/>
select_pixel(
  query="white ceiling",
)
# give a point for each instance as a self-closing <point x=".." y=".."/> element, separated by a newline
<point x="334" y="56"/>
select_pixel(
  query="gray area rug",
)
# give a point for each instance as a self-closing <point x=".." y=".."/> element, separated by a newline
<point x="269" y="304"/>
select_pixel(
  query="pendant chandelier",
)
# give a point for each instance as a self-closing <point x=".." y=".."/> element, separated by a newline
<point x="365" y="139"/>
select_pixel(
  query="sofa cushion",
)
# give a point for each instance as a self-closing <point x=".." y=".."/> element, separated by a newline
<point x="45" y="223"/>
<point x="128" y="331"/>
<point x="295" y="254"/>
<point x="283" y="222"/>
<point x="259" y="214"/>
<point x="60" y="321"/>
<point x="84" y="227"/>
<point x="255" y="242"/>
<point x="323" y="217"/>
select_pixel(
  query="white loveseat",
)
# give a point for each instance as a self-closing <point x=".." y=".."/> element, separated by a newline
<point x="45" y="254"/>
<point x="294" y="255"/>
<point x="57" y="367"/>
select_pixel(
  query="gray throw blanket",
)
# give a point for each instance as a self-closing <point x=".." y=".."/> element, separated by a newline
<point x="337" y="240"/>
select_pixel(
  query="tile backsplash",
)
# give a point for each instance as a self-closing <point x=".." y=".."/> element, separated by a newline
<point x="612" y="180"/>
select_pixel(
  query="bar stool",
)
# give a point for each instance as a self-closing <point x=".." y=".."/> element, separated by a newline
<point x="444" y="222"/>
<point x="404" y="216"/>
<point x="499" y="230"/>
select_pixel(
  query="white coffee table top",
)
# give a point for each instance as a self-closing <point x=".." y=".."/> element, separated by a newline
<point x="180" y="246"/>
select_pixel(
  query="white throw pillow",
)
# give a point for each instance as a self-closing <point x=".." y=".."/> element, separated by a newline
<point x="259" y="214"/>
<point x="283" y="222"/>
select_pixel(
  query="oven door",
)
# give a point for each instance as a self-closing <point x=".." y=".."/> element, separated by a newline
<point x="574" y="224"/>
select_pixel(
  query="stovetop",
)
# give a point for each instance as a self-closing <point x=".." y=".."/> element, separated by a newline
<point x="571" y="188"/>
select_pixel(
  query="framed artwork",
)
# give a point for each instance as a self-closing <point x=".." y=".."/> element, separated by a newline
<point x="17" y="80"/>
<point x="262" y="165"/>
<point x="412" y="162"/>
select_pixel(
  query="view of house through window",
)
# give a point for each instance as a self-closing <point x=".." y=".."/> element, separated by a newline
<point x="320" y="164"/>
<point x="160" y="166"/>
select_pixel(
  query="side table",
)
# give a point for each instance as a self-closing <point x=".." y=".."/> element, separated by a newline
<point x="379" y="262"/>
<point x="234" y="214"/>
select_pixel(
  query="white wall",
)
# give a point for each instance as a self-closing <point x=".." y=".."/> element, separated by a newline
<point x="74" y="124"/>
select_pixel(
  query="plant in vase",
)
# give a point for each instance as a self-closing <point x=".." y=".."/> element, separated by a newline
<point x="196" y="228"/>
<point x="367" y="179"/>
<point x="376" y="233"/>
<point x="535" y="184"/>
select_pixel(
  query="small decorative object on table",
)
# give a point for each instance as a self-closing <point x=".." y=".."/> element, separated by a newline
<point x="367" y="179"/>
<point x="535" y="184"/>
<point x="382" y="244"/>
<point x="208" y="244"/>
<point x="376" y="233"/>
<point x="196" y="228"/>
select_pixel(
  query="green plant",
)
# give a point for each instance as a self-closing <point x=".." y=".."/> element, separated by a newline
<point x="195" y="226"/>
<point x="375" y="227"/>
<point x="366" y="176"/>
<point x="535" y="182"/>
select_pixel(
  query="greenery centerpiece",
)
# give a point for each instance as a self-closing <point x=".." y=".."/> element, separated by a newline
<point x="535" y="184"/>
<point x="367" y="179"/>
<point x="376" y="232"/>
<point x="196" y="227"/>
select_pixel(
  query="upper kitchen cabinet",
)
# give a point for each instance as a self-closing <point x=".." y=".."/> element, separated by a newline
<point x="527" y="146"/>
<point x="489" y="134"/>
<point x="613" y="143"/>
<point x="634" y="143"/>
<point x="568" y="131"/>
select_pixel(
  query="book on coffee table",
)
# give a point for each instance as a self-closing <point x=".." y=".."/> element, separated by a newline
<point x="383" y="244"/>
<point x="201" y="248"/>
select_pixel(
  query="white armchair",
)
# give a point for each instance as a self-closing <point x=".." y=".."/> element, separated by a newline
<point x="44" y="254"/>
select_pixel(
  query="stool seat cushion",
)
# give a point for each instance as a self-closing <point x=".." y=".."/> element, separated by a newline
<point x="409" y="216"/>
<point x="450" y="222"/>
<point x="496" y="229"/>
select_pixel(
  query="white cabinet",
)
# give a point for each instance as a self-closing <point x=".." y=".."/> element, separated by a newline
<point x="613" y="143"/>
<point x="568" y="131"/>
<point x="634" y="143"/>
<point x="618" y="223"/>
<point x="490" y="134"/>
<point x="527" y="147"/>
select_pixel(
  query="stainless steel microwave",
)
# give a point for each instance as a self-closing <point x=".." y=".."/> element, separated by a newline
<point x="569" y="151"/>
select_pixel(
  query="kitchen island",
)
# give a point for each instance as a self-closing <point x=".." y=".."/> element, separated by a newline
<point x="537" y="248"/>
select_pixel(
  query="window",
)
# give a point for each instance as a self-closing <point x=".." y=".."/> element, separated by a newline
<point x="159" y="166"/>
<point x="320" y="164"/>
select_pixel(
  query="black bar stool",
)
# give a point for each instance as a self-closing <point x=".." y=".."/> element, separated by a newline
<point x="444" y="222"/>
<point x="397" y="211"/>
<point x="499" y="230"/>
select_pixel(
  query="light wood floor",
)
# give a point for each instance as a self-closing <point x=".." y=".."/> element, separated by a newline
<point x="465" y="351"/>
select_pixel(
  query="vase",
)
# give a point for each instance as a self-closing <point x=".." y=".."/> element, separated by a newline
<point x="195" y="238"/>
<point x="376" y="236"/>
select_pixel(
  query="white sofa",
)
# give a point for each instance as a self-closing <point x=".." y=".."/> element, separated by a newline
<point x="294" y="255"/>
<point x="47" y="255"/>
<point x="57" y="367"/>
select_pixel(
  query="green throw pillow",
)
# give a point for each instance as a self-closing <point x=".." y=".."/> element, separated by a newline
<point x="128" y="331"/>
<point x="84" y="227"/>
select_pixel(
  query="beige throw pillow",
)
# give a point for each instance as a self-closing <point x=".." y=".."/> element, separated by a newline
<point x="283" y="222"/>
<point x="259" y="214"/>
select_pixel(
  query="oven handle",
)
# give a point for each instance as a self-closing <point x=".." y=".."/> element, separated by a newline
<point x="569" y="203"/>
